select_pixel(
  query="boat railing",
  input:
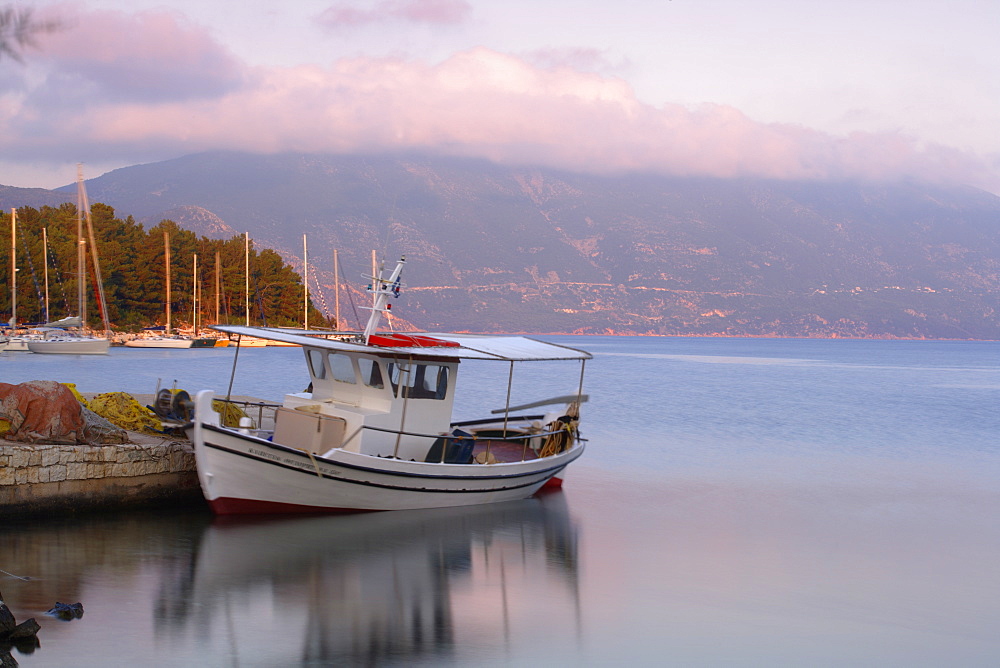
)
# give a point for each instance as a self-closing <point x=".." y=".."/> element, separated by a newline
<point x="546" y="443"/>
<point x="260" y="412"/>
<point x="493" y="447"/>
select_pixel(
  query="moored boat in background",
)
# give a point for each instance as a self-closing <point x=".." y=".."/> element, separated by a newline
<point x="159" y="342"/>
<point x="68" y="336"/>
<point x="57" y="341"/>
<point x="17" y="339"/>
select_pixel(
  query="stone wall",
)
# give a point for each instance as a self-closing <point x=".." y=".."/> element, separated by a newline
<point x="38" y="479"/>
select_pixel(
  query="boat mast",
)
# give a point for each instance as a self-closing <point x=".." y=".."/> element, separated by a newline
<point x="81" y="252"/>
<point x="45" y="258"/>
<point x="13" y="267"/>
<point x="246" y="276"/>
<point x="381" y="289"/>
<point x="218" y="283"/>
<point x="305" y="273"/>
<point x="166" y="262"/>
<point x="194" y="295"/>
<point x="102" y="303"/>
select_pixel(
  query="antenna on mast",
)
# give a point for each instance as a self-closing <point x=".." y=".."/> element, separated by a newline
<point x="382" y="288"/>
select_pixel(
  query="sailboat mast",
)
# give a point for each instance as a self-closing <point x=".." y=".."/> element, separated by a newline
<point x="218" y="285"/>
<point x="305" y="273"/>
<point x="246" y="277"/>
<point x="166" y="262"/>
<point x="45" y="259"/>
<point x="13" y="267"/>
<point x="102" y="303"/>
<point x="81" y="251"/>
<point x="194" y="295"/>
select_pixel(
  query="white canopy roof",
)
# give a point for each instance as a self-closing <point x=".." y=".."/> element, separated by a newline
<point x="470" y="346"/>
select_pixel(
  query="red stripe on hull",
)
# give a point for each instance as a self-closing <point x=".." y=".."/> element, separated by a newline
<point x="230" y="506"/>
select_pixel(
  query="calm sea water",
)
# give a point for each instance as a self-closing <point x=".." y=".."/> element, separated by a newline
<point x="741" y="503"/>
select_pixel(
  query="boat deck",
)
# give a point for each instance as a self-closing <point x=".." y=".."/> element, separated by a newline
<point x="502" y="451"/>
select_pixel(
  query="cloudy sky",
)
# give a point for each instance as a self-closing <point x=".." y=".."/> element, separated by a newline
<point x="778" y="88"/>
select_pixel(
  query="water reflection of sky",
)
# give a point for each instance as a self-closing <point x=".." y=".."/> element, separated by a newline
<point x="417" y="587"/>
<point x="652" y="570"/>
<point x="832" y="505"/>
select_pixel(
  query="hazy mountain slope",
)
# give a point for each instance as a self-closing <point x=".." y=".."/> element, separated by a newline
<point x="12" y="197"/>
<point x="523" y="249"/>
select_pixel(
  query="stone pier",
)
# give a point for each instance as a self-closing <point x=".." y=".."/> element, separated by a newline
<point x="50" y="479"/>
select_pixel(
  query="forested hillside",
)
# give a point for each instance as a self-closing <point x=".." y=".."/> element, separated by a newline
<point x="132" y="262"/>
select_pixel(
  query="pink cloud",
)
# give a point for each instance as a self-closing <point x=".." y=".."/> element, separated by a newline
<point x="476" y="103"/>
<point x="148" y="56"/>
<point x="350" y="14"/>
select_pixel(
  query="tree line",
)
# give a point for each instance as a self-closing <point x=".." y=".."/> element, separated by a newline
<point x="134" y="273"/>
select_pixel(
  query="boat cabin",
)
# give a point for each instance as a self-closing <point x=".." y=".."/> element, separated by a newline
<point x="387" y="403"/>
<point x="394" y="397"/>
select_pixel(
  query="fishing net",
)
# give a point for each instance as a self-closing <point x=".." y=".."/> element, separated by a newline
<point x="229" y="413"/>
<point x="123" y="410"/>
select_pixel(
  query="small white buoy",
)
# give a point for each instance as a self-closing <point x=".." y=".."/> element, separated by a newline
<point x="245" y="424"/>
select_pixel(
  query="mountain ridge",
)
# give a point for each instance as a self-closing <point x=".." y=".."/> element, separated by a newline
<point x="528" y="249"/>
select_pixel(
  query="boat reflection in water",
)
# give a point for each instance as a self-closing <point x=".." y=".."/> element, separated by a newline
<point x="366" y="588"/>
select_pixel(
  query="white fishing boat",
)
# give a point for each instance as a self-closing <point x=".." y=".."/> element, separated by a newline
<point x="374" y="430"/>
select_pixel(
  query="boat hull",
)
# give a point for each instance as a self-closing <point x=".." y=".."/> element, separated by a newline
<point x="243" y="474"/>
<point x="159" y="343"/>
<point x="80" y="346"/>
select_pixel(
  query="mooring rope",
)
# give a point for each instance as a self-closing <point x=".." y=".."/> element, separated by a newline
<point x="19" y="577"/>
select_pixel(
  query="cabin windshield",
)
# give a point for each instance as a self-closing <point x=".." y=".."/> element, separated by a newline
<point x="341" y="368"/>
<point x="419" y="381"/>
<point x="371" y="373"/>
<point x="316" y="365"/>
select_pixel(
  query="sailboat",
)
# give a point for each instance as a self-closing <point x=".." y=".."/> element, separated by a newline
<point x="248" y="341"/>
<point x="18" y="337"/>
<point x="66" y="336"/>
<point x="5" y="342"/>
<point x="166" y="340"/>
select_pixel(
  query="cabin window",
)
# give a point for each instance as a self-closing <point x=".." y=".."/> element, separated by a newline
<point x="316" y="365"/>
<point x="420" y="381"/>
<point x="341" y="368"/>
<point x="371" y="373"/>
<point x="441" y="382"/>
